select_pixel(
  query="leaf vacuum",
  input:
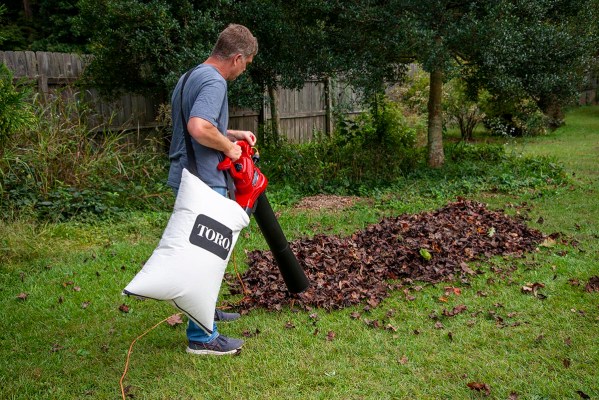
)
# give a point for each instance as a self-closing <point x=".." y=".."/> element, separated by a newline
<point x="250" y="186"/>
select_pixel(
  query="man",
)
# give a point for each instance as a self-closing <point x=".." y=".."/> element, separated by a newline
<point x="205" y="108"/>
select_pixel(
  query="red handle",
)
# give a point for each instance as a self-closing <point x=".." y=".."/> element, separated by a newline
<point x="249" y="181"/>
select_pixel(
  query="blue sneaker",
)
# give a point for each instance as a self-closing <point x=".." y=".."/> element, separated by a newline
<point x="225" y="316"/>
<point x="221" y="345"/>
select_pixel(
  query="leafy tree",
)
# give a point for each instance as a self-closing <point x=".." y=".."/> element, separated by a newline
<point x="41" y="25"/>
<point x="536" y="49"/>
<point x="143" y="47"/>
<point x="514" y="49"/>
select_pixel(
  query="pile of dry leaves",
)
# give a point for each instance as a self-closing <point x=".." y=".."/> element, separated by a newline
<point x="428" y="247"/>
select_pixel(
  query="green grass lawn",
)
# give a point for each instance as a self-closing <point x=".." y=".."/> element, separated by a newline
<point x="68" y="339"/>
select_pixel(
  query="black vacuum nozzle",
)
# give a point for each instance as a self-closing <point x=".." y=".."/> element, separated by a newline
<point x="292" y="272"/>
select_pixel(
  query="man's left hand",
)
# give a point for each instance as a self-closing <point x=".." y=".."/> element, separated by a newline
<point x="243" y="135"/>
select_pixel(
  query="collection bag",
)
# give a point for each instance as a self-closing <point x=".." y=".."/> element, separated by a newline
<point x="187" y="267"/>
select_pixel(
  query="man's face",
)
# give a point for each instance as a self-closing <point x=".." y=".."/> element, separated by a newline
<point x="240" y="63"/>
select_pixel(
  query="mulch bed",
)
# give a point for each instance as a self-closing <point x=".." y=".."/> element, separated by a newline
<point x="327" y="202"/>
<point x="364" y="267"/>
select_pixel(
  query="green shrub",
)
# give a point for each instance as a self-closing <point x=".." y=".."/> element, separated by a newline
<point x="413" y="92"/>
<point x="15" y="109"/>
<point x="365" y="152"/>
<point x="460" y="109"/>
<point x="513" y="117"/>
<point x="58" y="168"/>
<point x="464" y="152"/>
<point x="472" y="168"/>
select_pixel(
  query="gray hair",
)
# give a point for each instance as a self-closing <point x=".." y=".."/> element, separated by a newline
<point x="235" y="39"/>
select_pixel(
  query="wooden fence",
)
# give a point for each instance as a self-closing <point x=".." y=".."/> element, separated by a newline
<point x="301" y="112"/>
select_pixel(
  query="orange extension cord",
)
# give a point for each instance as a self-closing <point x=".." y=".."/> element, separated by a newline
<point x="131" y="350"/>
<point x="154" y="327"/>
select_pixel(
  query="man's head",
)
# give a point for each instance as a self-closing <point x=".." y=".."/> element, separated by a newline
<point x="235" y="49"/>
<point x="234" y="40"/>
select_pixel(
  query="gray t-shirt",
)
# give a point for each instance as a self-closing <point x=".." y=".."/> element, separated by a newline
<point x="204" y="96"/>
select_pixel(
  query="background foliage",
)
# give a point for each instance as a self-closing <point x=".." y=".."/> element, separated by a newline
<point x="57" y="167"/>
<point x="15" y="107"/>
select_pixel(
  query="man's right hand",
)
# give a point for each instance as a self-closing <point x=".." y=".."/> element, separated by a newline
<point x="234" y="152"/>
<point x="208" y="135"/>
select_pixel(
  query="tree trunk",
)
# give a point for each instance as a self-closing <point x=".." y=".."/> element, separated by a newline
<point x="551" y="107"/>
<point x="328" y="104"/>
<point x="27" y="10"/>
<point x="261" y="121"/>
<point x="436" y="157"/>
<point x="275" y="120"/>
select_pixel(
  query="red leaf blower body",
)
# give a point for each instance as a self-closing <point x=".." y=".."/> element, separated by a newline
<point x="250" y="185"/>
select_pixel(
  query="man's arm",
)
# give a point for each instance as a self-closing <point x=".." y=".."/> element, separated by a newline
<point x="208" y="135"/>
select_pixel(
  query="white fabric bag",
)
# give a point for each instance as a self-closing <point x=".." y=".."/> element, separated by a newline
<point x="188" y="265"/>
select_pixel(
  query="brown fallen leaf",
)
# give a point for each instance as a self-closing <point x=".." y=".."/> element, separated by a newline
<point x="248" y="333"/>
<point x="533" y="288"/>
<point x="449" y="290"/>
<point x="480" y="387"/>
<point x="128" y="391"/>
<point x="583" y="395"/>
<point x="372" y="323"/>
<point x="513" y="396"/>
<point x="174" y="319"/>
<point x="56" y="347"/>
<point x="124" y="308"/>
<point x="455" y="311"/>
<point x="369" y="258"/>
<point x="566" y="362"/>
<point x="22" y="296"/>
<point x="331" y="335"/>
<point x="289" y="325"/>
<point x="592" y="285"/>
<point x="574" y="282"/>
<point x="355" y="315"/>
<point x="403" y="360"/>
<point x="549" y="242"/>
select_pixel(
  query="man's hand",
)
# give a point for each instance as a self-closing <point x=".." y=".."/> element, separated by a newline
<point x="234" y="152"/>
<point x="208" y="135"/>
<point x="242" y="135"/>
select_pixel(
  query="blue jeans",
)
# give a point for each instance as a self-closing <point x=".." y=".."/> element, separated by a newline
<point x="194" y="332"/>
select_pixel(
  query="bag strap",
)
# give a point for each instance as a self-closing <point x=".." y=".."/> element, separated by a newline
<point x="191" y="158"/>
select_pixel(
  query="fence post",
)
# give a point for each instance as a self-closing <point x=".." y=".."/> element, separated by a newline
<point x="42" y="77"/>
